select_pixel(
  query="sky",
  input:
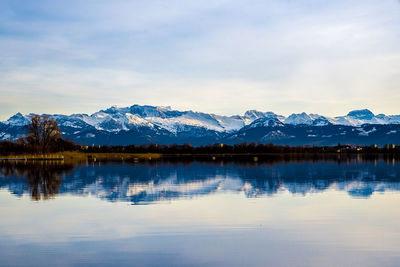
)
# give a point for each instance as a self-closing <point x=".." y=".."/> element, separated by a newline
<point x="219" y="56"/>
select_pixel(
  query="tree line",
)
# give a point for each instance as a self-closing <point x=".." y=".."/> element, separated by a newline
<point x="241" y="148"/>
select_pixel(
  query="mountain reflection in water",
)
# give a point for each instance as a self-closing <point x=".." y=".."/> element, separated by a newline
<point x="144" y="183"/>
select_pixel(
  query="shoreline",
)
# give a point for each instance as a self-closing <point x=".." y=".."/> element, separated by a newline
<point x="76" y="157"/>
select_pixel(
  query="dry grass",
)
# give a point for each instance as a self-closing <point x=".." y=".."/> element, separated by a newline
<point x="73" y="157"/>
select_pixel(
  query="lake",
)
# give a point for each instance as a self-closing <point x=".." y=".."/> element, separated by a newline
<point x="199" y="213"/>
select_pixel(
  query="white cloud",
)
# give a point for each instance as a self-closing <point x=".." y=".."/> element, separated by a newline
<point x="221" y="56"/>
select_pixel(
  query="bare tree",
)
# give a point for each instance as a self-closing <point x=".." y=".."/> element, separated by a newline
<point x="33" y="136"/>
<point x="43" y="133"/>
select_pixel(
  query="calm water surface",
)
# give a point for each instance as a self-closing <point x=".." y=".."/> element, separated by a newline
<point x="321" y="213"/>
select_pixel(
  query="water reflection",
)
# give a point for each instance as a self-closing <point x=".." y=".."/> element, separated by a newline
<point x="144" y="183"/>
<point x="42" y="178"/>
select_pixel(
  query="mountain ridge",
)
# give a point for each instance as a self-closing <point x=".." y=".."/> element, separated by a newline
<point x="146" y="124"/>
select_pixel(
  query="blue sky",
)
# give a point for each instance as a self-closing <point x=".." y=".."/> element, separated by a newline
<point x="221" y="56"/>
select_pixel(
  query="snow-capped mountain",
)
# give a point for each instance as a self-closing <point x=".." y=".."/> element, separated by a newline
<point x="18" y="120"/>
<point x="307" y="119"/>
<point x="151" y="124"/>
<point x="365" y="116"/>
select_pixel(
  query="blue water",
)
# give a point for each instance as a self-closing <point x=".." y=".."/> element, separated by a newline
<point x="311" y="213"/>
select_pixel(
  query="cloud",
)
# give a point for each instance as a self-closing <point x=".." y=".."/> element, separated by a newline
<point x="221" y="56"/>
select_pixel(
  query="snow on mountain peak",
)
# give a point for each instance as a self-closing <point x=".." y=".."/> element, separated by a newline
<point x="266" y="122"/>
<point x="18" y="120"/>
<point x="361" y="114"/>
<point x="300" y="118"/>
<point x="308" y="119"/>
<point x="148" y="111"/>
<point x="254" y="114"/>
<point x="365" y="116"/>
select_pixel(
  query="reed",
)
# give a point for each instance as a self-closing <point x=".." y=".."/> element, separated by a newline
<point x="75" y="156"/>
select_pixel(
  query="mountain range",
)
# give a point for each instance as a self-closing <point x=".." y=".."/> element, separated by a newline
<point x="162" y="125"/>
